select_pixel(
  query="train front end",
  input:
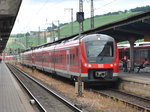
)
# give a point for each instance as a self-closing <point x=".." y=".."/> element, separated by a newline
<point x="99" y="58"/>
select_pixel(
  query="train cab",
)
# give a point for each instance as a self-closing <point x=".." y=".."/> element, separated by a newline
<point x="99" y="58"/>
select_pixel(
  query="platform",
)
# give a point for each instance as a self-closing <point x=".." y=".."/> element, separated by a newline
<point x="137" y="83"/>
<point x="12" y="97"/>
<point x="142" y="77"/>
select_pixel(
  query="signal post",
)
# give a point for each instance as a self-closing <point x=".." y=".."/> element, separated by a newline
<point x="79" y="85"/>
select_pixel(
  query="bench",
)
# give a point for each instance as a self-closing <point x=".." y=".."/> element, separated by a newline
<point x="145" y="68"/>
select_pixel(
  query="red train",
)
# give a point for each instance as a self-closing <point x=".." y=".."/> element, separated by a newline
<point x="93" y="57"/>
<point x="141" y="52"/>
<point x="10" y="59"/>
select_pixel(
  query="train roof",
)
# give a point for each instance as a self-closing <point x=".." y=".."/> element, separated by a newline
<point x="54" y="43"/>
<point x="143" y="44"/>
<point x="97" y="37"/>
<point x="83" y="37"/>
<point x="138" y="44"/>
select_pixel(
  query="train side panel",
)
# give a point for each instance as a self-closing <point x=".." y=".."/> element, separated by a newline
<point x="71" y="58"/>
<point x="67" y="59"/>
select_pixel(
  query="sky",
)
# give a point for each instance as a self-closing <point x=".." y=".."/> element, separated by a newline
<point x="41" y="13"/>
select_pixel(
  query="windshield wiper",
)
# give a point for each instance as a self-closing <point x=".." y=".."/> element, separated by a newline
<point x="102" y="58"/>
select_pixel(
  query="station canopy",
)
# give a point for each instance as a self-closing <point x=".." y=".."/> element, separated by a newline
<point x="8" y="12"/>
<point x="132" y="28"/>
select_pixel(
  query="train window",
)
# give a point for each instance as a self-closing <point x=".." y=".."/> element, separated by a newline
<point x="55" y="58"/>
<point x="127" y="53"/>
<point x="61" y="58"/>
<point x="144" y="54"/>
<point x="68" y="59"/>
<point x="51" y="59"/>
<point x="137" y="56"/>
<point x="99" y="48"/>
<point x="74" y="59"/>
<point x="40" y="58"/>
<point x="77" y="51"/>
<point x="37" y="58"/>
<point x="58" y="58"/>
<point x="43" y="59"/>
<point x="120" y="55"/>
<point x="148" y="54"/>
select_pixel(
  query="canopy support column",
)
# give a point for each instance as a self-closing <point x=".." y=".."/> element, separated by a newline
<point x="131" y="41"/>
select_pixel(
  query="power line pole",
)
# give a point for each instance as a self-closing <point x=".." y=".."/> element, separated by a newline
<point x="45" y="37"/>
<point x="92" y="14"/>
<point x="45" y="32"/>
<point x="72" y="20"/>
<point x="58" y="30"/>
<point x="26" y="36"/>
<point x="52" y="30"/>
<point x="81" y="10"/>
<point x="71" y="9"/>
<point x="26" y="41"/>
<point x="39" y="36"/>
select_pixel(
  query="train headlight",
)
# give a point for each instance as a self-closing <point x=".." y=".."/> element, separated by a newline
<point x="89" y="65"/>
<point x="98" y="38"/>
<point x="85" y="65"/>
<point x="111" y="65"/>
<point x="115" y="64"/>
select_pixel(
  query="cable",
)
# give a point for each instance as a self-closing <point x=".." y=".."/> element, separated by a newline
<point x="44" y="4"/>
<point x="105" y="4"/>
<point x="102" y="6"/>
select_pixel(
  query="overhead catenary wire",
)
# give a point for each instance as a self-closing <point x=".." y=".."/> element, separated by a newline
<point x="45" y="4"/>
<point x="95" y="9"/>
<point x="39" y="10"/>
<point x="105" y="5"/>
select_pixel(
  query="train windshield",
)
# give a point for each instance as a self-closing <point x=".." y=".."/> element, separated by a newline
<point x="99" y="49"/>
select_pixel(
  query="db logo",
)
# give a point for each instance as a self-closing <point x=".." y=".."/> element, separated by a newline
<point x="101" y="65"/>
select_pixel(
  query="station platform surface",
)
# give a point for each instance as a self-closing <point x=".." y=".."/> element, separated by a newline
<point x="141" y="77"/>
<point x="12" y="97"/>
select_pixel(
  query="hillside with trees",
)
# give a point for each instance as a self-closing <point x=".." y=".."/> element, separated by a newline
<point x="29" y="40"/>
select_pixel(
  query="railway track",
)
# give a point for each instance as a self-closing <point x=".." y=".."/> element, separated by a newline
<point x="46" y="99"/>
<point x="140" y="103"/>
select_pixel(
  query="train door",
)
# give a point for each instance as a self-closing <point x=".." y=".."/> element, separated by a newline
<point x="33" y="60"/>
<point x="68" y="61"/>
<point x="137" y="56"/>
<point x="143" y="55"/>
<point x="50" y="59"/>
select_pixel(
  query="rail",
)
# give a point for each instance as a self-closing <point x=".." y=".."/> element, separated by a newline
<point x="138" y="102"/>
<point x="43" y="94"/>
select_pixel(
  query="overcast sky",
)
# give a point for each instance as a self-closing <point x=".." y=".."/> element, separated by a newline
<point x="40" y="13"/>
